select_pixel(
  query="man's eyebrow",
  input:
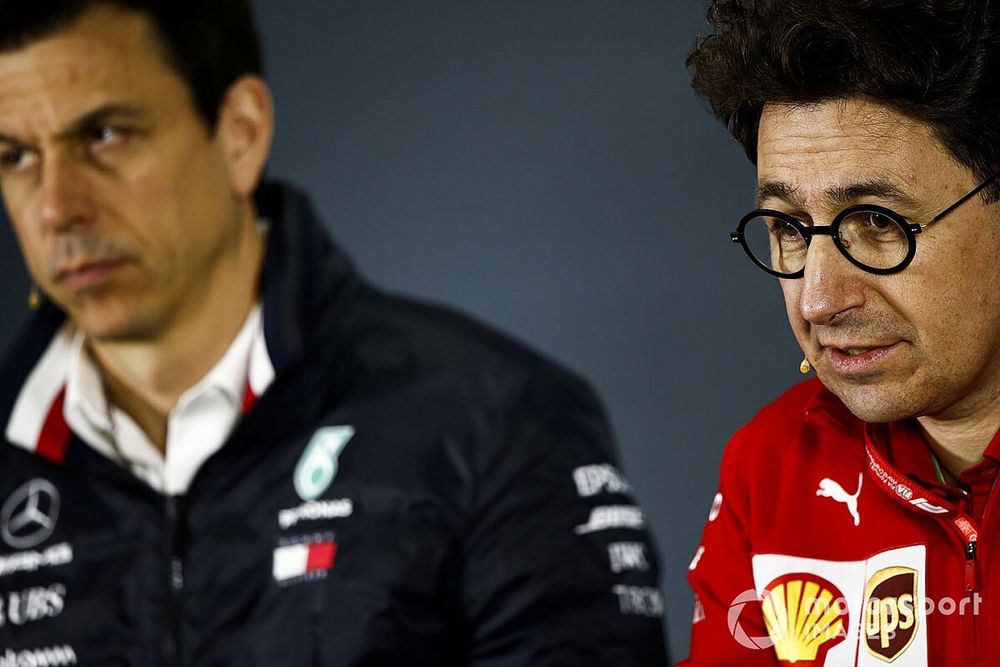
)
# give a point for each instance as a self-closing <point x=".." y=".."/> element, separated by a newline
<point x="883" y="190"/>
<point x="775" y="190"/>
<point x="7" y="139"/>
<point x="843" y="195"/>
<point x="87" y="121"/>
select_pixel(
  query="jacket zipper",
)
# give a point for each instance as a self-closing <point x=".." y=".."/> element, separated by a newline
<point x="971" y="607"/>
<point x="175" y="581"/>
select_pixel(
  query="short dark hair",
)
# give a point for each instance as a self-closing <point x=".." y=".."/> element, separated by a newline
<point x="210" y="43"/>
<point x="937" y="61"/>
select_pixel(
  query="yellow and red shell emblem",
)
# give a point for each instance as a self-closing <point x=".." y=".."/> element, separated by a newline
<point x="805" y="616"/>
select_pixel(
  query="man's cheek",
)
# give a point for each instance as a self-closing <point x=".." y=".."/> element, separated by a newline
<point x="799" y="326"/>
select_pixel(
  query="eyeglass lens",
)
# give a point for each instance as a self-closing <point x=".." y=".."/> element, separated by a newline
<point x="870" y="238"/>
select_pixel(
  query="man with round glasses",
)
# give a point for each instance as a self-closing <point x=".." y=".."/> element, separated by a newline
<point x="856" y="522"/>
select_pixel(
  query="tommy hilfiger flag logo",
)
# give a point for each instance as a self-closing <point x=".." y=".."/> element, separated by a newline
<point x="299" y="560"/>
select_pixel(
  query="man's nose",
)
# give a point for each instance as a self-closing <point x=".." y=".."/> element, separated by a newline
<point x="63" y="193"/>
<point x="830" y="283"/>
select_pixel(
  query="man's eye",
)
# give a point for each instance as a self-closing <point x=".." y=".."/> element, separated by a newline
<point x="880" y="223"/>
<point x="781" y="228"/>
<point x="16" y="159"/>
<point x="107" y="135"/>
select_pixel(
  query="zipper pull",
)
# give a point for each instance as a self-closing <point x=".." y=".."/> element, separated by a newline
<point x="971" y="571"/>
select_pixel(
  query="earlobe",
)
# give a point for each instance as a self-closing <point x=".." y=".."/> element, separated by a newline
<point x="246" y="127"/>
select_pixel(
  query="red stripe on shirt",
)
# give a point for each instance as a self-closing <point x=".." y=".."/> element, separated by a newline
<point x="249" y="398"/>
<point x="54" y="438"/>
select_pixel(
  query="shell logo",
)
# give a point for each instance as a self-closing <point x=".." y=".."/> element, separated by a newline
<point x="805" y="616"/>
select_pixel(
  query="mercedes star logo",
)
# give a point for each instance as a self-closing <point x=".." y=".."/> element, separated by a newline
<point x="29" y="516"/>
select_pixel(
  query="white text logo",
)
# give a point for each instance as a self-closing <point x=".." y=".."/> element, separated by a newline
<point x="31" y="561"/>
<point x="639" y="601"/>
<point x="612" y="516"/>
<point x="599" y="478"/>
<point x="626" y="556"/>
<point x="51" y="656"/>
<point x="33" y="604"/>
<point x="314" y="511"/>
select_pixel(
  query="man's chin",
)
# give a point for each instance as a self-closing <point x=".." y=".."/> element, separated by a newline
<point x="113" y="325"/>
<point x="875" y="403"/>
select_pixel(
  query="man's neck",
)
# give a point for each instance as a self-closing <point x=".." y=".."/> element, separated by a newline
<point x="959" y="443"/>
<point x="146" y="378"/>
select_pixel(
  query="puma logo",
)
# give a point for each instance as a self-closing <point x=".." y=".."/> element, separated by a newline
<point x="831" y="489"/>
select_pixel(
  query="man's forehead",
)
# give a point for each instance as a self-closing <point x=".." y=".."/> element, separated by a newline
<point x="844" y="115"/>
<point x="844" y="150"/>
<point x="99" y="59"/>
<point x="838" y="130"/>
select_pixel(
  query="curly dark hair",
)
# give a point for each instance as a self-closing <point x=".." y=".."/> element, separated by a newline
<point x="937" y="61"/>
<point x="210" y="43"/>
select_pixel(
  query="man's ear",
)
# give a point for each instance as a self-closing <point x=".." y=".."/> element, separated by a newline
<point x="245" y="129"/>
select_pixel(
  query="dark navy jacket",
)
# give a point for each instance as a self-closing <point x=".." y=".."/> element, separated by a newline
<point x="412" y="489"/>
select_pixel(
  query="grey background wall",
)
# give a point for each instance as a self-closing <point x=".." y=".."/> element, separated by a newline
<point x="543" y="165"/>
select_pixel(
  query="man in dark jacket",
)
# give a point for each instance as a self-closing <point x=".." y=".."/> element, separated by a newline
<point x="223" y="446"/>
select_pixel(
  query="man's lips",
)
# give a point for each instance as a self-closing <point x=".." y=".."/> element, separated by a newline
<point x="851" y="359"/>
<point x="88" y="274"/>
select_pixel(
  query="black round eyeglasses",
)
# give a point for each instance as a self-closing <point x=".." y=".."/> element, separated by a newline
<point x="873" y="238"/>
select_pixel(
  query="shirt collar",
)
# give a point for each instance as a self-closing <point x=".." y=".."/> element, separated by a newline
<point x="906" y="447"/>
<point x="230" y="374"/>
<point x="86" y="407"/>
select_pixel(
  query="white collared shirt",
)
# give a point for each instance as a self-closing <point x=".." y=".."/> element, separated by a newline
<point x="197" y="426"/>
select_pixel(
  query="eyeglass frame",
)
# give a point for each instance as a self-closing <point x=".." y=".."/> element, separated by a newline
<point x="910" y="230"/>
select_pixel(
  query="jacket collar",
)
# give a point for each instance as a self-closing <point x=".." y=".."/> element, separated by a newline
<point x="823" y="405"/>
<point x="302" y="271"/>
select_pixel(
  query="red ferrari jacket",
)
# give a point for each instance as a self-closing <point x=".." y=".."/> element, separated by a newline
<point x="831" y="543"/>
